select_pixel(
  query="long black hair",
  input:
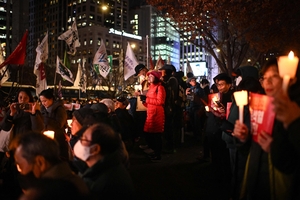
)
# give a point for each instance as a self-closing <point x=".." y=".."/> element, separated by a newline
<point x="28" y="93"/>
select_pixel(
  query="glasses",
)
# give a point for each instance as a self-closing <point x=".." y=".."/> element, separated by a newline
<point x="270" y="78"/>
<point x="85" y="140"/>
<point x="221" y="84"/>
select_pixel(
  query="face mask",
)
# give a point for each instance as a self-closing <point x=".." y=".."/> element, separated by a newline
<point x="238" y="80"/>
<point x="142" y="78"/>
<point x="82" y="152"/>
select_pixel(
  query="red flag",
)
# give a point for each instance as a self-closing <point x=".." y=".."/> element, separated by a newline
<point x="17" y="57"/>
<point x="151" y="63"/>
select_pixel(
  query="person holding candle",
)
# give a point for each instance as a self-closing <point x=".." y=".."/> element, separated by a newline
<point x="285" y="148"/>
<point x="249" y="76"/>
<point x="55" y="119"/>
<point x="261" y="179"/>
<point x="215" y="144"/>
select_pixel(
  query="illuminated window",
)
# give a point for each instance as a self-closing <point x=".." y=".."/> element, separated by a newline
<point x="84" y="43"/>
<point x="91" y="41"/>
<point x="84" y="24"/>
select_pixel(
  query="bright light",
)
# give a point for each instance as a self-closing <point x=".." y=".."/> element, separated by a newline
<point x="104" y="8"/>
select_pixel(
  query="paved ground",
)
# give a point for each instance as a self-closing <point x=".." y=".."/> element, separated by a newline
<point x="177" y="176"/>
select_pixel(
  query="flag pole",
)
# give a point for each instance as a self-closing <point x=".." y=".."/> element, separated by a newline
<point x="55" y="81"/>
<point x="147" y="41"/>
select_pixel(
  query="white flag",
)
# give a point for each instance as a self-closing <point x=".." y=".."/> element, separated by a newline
<point x="130" y="63"/>
<point x="42" y="51"/>
<point x="80" y="80"/>
<point x="188" y="67"/>
<point x="4" y="73"/>
<point x="100" y="61"/>
<point x="78" y="76"/>
<point x="71" y="38"/>
<point x="63" y="70"/>
<point x="39" y="69"/>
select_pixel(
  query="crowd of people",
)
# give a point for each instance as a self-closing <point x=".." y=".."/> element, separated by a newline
<point x="89" y="156"/>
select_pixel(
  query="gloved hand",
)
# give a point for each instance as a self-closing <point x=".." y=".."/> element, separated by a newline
<point x="143" y="98"/>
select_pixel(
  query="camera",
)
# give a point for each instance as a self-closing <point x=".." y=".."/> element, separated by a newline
<point x="23" y="106"/>
<point x="219" y="104"/>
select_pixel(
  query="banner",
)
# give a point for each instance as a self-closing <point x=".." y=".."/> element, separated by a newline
<point x="71" y="38"/>
<point x="100" y="61"/>
<point x="63" y="71"/>
<point x="129" y="63"/>
<point x="262" y="114"/>
<point x="17" y="57"/>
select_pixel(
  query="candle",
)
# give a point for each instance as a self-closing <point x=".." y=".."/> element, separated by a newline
<point x="287" y="66"/>
<point x="207" y="108"/>
<point x="49" y="134"/>
<point x="69" y="121"/>
<point x="241" y="99"/>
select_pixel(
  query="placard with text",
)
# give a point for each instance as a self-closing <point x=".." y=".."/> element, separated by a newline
<point x="262" y="114"/>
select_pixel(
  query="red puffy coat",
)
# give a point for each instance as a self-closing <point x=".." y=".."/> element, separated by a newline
<point x="155" y="101"/>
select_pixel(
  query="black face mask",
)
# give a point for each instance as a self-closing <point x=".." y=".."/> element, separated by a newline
<point x="27" y="181"/>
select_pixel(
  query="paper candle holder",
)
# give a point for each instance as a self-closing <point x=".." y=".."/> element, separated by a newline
<point x="241" y="99"/>
<point x="287" y="66"/>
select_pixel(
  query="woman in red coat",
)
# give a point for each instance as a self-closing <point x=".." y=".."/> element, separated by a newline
<point x="154" y="125"/>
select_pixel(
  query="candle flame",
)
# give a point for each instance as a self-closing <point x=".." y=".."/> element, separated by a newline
<point x="291" y="55"/>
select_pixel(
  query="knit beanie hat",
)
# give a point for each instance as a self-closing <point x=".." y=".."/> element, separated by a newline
<point x="155" y="73"/>
<point x="99" y="107"/>
<point x="81" y="114"/>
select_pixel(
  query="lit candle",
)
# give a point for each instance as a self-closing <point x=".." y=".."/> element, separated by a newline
<point x="69" y="121"/>
<point x="207" y="108"/>
<point x="287" y="66"/>
<point x="241" y="99"/>
<point x="49" y="134"/>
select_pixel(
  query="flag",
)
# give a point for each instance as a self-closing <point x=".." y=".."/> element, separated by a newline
<point x="151" y="63"/>
<point x="71" y="38"/>
<point x="130" y="63"/>
<point x="169" y="60"/>
<point x="39" y="69"/>
<point x="59" y="92"/>
<point x="4" y="73"/>
<point x="100" y="61"/>
<point x="17" y="57"/>
<point x="42" y="51"/>
<point x="67" y="62"/>
<point x="63" y="71"/>
<point x="188" y="67"/>
<point x="80" y="80"/>
<point x="78" y="76"/>
<point x="159" y="63"/>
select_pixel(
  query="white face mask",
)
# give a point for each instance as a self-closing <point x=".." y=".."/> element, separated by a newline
<point x="82" y="152"/>
<point x="142" y="78"/>
<point x="238" y="80"/>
